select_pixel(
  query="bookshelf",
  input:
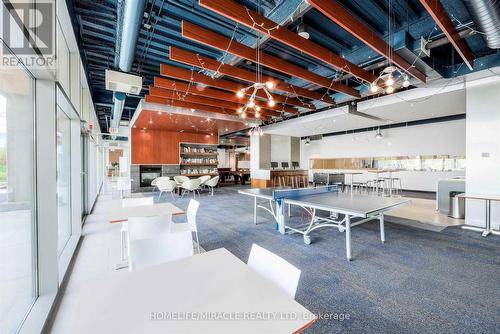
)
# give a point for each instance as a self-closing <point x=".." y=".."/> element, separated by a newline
<point x="198" y="159"/>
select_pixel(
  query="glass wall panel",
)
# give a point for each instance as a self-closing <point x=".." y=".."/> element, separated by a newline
<point x="63" y="178"/>
<point x="17" y="216"/>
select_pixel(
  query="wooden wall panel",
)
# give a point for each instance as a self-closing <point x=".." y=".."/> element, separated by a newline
<point x="162" y="147"/>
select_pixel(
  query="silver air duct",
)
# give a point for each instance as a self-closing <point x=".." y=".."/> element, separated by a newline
<point x="130" y="14"/>
<point x="486" y="15"/>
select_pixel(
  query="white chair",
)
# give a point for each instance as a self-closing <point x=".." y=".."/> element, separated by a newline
<point x="131" y="202"/>
<point x="153" y="183"/>
<point x="140" y="201"/>
<point x="275" y="269"/>
<point x="160" y="249"/>
<point x="166" y="186"/>
<point x="148" y="227"/>
<point x="192" y="185"/>
<point x="212" y="183"/>
<point x="190" y="225"/>
<point x="180" y="179"/>
<point x="203" y="179"/>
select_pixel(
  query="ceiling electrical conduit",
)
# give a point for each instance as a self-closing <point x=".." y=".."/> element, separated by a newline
<point x="130" y="14"/>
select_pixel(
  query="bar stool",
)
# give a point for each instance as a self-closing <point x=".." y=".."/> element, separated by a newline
<point x="377" y="183"/>
<point x="358" y="186"/>
<point x="399" y="189"/>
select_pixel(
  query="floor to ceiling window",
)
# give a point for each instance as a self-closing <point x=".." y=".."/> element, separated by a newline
<point x="63" y="179"/>
<point x="18" y="274"/>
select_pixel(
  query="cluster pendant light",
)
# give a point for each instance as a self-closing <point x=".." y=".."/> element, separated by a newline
<point x="259" y="85"/>
<point x="391" y="77"/>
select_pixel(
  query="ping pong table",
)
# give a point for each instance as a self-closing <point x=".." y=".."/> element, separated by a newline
<point x="342" y="208"/>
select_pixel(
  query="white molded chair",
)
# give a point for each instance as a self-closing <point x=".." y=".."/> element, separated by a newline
<point x="275" y="269"/>
<point x="166" y="186"/>
<point x="212" y="183"/>
<point x="140" y="201"/>
<point x="153" y="183"/>
<point x="148" y="227"/>
<point x="191" y="185"/>
<point x="203" y="179"/>
<point x="131" y="202"/>
<point x="160" y="249"/>
<point x="190" y="225"/>
<point x="180" y="179"/>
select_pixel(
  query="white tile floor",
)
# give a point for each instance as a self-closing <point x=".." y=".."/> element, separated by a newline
<point x="98" y="255"/>
<point x="16" y="279"/>
<point x="424" y="211"/>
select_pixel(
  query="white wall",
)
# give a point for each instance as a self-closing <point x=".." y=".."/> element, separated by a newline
<point x="280" y="148"/>
<point x="483" y="151"/>
<point x="429" y="139"/>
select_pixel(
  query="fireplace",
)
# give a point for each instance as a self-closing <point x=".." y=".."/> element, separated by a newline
<point x="148" y="174"/>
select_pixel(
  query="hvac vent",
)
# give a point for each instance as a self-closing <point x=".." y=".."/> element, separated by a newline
<point x="123" y="82"/>
<point x="316" y="137"/>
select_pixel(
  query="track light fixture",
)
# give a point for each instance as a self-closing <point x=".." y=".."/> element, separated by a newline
<point x="302" y="30"/>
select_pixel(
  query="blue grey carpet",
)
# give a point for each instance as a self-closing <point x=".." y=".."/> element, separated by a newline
<point x="419" y="281"/>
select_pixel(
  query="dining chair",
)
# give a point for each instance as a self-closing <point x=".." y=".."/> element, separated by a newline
<point x="140" y="201"/>
<point x="166" y="186"/>
<point x="162" y="248"/>
<point x="131" y="202"/>
<point x="274" y="268"/>
<point x="180" y="179"/>
<point x="147" y="227"/>
<point x="204" y="179"/>
<point x="190" y="225"/>
<point x="212" y="183"/>
<point x="153" y="183"/>
<point x="191" y="185"/>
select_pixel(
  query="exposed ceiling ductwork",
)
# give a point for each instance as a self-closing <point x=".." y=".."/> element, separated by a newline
<point x="130" y="14"/>
<point x="486" y="14"/>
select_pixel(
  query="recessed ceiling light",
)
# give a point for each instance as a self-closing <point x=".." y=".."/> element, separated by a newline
<point x="135" y="126"/>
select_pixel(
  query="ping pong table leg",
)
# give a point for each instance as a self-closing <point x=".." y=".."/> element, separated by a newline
<point x="382" y="230"/>
<point x="280" y="215"/>
<point x="255" y="210"/>
<point x="348" y="237"/>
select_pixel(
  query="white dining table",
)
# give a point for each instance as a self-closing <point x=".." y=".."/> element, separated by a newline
<point x="120" y="214"/>
<point x="213" y="292"/>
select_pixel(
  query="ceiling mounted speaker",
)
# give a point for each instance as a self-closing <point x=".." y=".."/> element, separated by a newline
<point x="302" y="30"/>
